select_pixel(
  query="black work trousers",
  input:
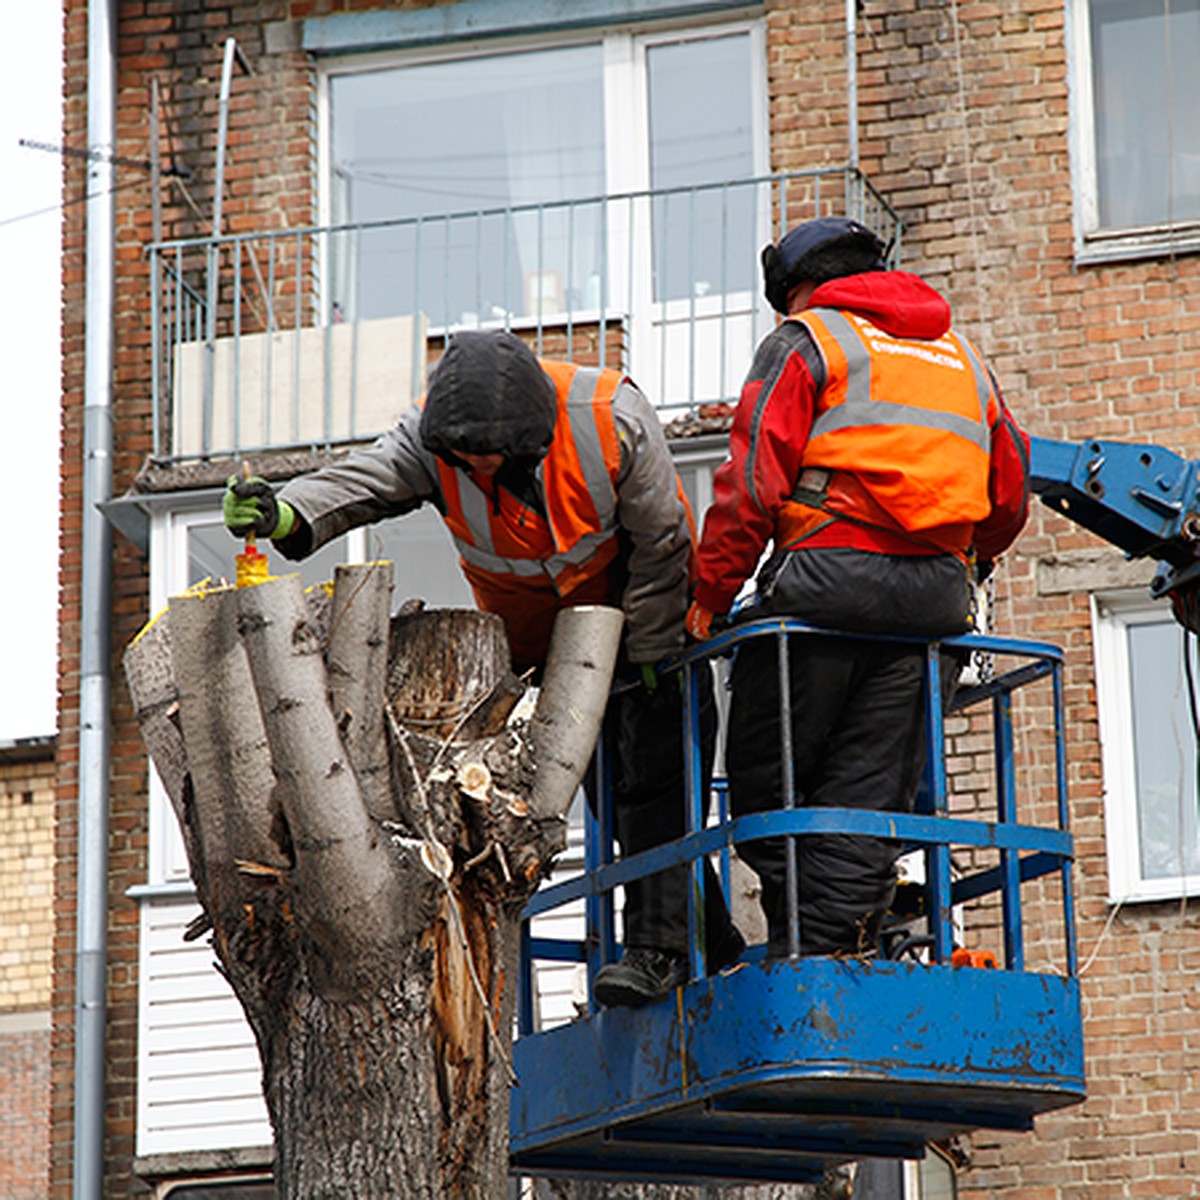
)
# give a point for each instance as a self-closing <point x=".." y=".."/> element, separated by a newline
<point x="644" y="732"/>
<point x="858" y="739"/>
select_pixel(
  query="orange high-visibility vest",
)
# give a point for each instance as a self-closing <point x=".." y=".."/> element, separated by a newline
<point x="524" y="565"/>
<point x="901" y="438"/>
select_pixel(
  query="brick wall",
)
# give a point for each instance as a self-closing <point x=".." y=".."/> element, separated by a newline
<point x="26" y="879"/>
<point x="963" y="127"/>
<point x="24" y="1105"/>
<point x="268" y="186"/>
<point x="26" y="934"/>
<point x="1094" y="351"/>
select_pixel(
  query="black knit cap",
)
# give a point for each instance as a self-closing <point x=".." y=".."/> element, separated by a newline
<point x="489" y="395"/>
<point x="787" y="263"/>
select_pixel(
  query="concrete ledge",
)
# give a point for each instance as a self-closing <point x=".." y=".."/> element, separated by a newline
<point x="352" y="32"/>
<point x="1081" y="571"/>
<point x="34" y="1021"/>
<point x="251" y="1163"/>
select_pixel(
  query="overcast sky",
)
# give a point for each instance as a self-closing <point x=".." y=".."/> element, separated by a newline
<point x="30" y="104"/>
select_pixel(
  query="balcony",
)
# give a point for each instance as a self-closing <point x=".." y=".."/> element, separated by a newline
<point x="316" y="338"/>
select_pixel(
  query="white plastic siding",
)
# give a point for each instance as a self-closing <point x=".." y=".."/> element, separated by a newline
<point x="199" y="1078"/>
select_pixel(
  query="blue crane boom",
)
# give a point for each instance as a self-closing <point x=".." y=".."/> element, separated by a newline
<point x="1143" y="499"/>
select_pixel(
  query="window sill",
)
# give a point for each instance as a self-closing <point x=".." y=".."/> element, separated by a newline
<point x="1131" y="245"/>
<point x="211" y="1166"/>
<point x="1158" y="892"/>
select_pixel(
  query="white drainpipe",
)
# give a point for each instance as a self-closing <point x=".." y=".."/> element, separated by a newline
<point x="96" y="586"/>
<point x="852" y="80"/>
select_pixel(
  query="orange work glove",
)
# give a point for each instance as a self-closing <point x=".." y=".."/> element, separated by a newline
<point x="699" y="622"/>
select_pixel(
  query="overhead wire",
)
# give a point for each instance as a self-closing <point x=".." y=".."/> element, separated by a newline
<point x="984" y="592"/>
<point x="972" y="208"/>
<point x="1108" y="923"/>
<point x="92" y="155"/>
<point x="63" y="205"/>
<point x="1189" y="644"/>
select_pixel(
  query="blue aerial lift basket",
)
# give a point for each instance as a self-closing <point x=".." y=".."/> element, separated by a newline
<point x="777" y="1069"/>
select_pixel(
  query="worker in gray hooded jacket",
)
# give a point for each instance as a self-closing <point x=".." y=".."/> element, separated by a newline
<point x="557" y="487"/>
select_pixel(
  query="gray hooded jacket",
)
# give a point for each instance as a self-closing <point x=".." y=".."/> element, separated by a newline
<point x="399" y="473"/>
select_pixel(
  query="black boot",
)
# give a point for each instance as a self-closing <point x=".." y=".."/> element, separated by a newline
<point x="643" y="976"/>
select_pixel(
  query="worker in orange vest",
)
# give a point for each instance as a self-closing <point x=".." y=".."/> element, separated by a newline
<point x="557" y="486"/>
<point x="872" y="454"/>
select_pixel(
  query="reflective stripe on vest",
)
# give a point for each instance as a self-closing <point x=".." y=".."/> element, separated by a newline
<point x="578" y="478"/>
<point x="904" y="425"/>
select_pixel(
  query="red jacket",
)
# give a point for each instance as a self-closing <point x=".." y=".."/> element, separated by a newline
<point x="772" y="426"/>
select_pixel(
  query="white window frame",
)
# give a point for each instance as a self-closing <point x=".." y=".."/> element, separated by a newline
<point x="1094" y="244"/>
<point x="166" y="859"/>
<point x="627" y="165"/>
<point x="1113" y="614"/>
<point x="627" y="168"/>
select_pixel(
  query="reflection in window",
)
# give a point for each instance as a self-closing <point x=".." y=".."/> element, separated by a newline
<point x="1164" y="752"/>
<point x="701" y="132"/>
<point x="1146" y="92"/>
<point x="509" y="180"/>
<point x="936" y="1177"/>
<point x="1148" y="748"/>
<point x="473" y="137"/>
<point x="426" y="561"/>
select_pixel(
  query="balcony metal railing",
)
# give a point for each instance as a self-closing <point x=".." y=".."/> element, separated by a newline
<point x="318" y="337"/>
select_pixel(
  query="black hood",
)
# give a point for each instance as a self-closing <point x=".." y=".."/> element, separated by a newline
<point x="489" y="395"/>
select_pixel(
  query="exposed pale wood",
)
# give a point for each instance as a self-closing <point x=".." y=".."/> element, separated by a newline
<point x="448" y="670"/>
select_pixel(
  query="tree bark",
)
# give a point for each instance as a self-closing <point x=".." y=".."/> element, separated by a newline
<point x="354" y="797"/>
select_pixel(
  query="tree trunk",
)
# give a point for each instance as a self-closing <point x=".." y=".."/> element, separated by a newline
<point x="353" y="792"/>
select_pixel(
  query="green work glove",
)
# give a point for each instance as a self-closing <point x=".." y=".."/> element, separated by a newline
<point x="651" y="678"/>
<point x="250" y="507"/>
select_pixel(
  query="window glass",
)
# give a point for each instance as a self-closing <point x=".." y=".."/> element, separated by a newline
<point x="879" y="1179"/>
<point x="1164" y="752"/>
<point x="1148" y="747"/>
<point x="425" y="564"/>
<point x="474" y="137"/>
<point x="511" y="189"/>
<point x="426" y="561"/>
<point x="936" y="1178"/>
<point x="701" y="131"/>
<point x="1146" y="92"/>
